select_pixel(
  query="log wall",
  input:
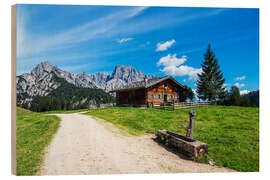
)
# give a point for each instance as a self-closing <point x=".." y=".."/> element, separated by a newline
<point x="131" y="98"/>
<point x="143" y="97"/>
<point x="168" y="88"/>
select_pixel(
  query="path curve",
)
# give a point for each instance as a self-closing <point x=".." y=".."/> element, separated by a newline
<point x="83" y="145"/>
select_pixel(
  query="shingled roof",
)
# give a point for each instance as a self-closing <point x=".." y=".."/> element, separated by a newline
<point x="145" y="83"/>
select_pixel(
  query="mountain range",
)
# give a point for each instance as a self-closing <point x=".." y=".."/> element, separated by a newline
<point x="44" y="79"/>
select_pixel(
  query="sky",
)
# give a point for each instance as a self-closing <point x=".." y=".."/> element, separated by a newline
<point x="159" y="41"/>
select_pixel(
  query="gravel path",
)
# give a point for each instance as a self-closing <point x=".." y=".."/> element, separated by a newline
<point x="84" y="145"/>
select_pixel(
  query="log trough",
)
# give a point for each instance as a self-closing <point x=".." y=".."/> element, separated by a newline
<point x="185" y="144"/>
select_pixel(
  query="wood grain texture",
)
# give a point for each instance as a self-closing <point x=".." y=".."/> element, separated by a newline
<point x="13" y="88"/>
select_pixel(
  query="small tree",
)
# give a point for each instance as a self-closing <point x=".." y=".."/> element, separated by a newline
<point x="235" y="97"/>
<point x="187" y="94"/>
<point x="245" y="101"/>
<point x="210" y="84"/>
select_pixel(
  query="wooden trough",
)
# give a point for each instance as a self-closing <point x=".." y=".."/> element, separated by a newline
<point x="190" y="146"/>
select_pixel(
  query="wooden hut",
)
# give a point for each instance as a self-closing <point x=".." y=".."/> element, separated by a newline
<point x="149" y="91"/>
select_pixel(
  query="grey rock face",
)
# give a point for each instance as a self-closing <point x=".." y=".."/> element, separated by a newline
<point x="127" y="74"/>
<point x="83" y="80"/>
<point x="37" y="83"/>
<point x="40" y="81"/>
<point x="100" y="79"/>
<point x="121" y="75"/>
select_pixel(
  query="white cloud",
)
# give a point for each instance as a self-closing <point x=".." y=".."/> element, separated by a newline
<point x="174" y="66"/>
<point x="33" y="43"/>
<point x="124" y="40"/>
<point x="171" y="60"/>
<point x="195" y="94"/>
<point x="240" y="78"/>
<point x="136" y="11"/>
<point x="239" y="85"/>
<point x="164" y="46"/>
<point x="226" y="86"/>
<point x="244" y="92"/>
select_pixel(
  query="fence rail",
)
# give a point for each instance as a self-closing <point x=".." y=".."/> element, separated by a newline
<point x="180" y="105"/>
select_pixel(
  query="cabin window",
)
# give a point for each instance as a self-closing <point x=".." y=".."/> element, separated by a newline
<point x="159" y="96"/>
<point x="171" y="96"/>
<point x="165" y="86"/>
<point x="151" y="96"/>
<point x="176" y="96"/>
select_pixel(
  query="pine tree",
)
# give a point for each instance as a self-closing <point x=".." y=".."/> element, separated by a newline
<point x="210" y="84"/>
<point x="187" y="94"/>
<point x="245" y="101"/>
<point x="235" y="97"/>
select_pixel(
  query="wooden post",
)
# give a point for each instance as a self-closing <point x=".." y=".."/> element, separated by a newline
<point x="192" y="113"/>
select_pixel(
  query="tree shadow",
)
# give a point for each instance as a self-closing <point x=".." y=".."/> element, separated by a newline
<point x="173" y="150"/>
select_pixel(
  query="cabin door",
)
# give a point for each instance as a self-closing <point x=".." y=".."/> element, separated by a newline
<point x="165" y="98"/>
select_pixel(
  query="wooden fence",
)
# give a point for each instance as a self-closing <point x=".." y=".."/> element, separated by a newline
<point x="181" y="105"/>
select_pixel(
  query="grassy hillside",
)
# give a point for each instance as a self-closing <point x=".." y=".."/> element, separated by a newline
<point x="232" y="133"/>
<point x="34" y="131"/>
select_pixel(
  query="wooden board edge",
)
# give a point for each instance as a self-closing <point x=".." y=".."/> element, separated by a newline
<point x="13" y="87"/>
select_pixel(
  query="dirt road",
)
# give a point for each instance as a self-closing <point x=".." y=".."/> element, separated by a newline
<point x="84" y="145"/>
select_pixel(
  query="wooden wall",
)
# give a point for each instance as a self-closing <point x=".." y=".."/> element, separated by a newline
<point x="172" y="89"/>
<point x="132" y="97"/>
<point x="141" y="97"/>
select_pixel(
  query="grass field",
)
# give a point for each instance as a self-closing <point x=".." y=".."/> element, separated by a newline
<point x="34" y="131"/>
<point x="232" y="133"/>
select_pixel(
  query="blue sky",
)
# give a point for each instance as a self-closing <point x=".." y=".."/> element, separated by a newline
<point x="156" y="40"/>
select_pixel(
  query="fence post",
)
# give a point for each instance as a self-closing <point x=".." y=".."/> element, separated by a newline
<point x="192" y="113"/>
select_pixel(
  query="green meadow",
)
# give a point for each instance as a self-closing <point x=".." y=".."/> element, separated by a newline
<point x="232" y="133"/>
<point x="34" y="132"/>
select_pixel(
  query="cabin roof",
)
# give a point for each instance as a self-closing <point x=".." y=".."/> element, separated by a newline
<point x="145" y="83"/>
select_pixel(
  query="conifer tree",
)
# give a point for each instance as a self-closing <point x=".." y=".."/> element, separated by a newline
<point x="210" y="83"/>
<point x="235" y="97"/>
<point x="187" y="94"/>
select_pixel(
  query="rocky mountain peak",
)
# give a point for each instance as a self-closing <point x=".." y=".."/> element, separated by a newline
<point x="42" y="68"/>
<point x="45" y="65"/>
<point x="81" y="74"/>
<point x="127" y="74"/>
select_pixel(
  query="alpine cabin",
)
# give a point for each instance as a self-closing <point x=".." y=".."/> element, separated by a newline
<point x="149" y="92"/>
